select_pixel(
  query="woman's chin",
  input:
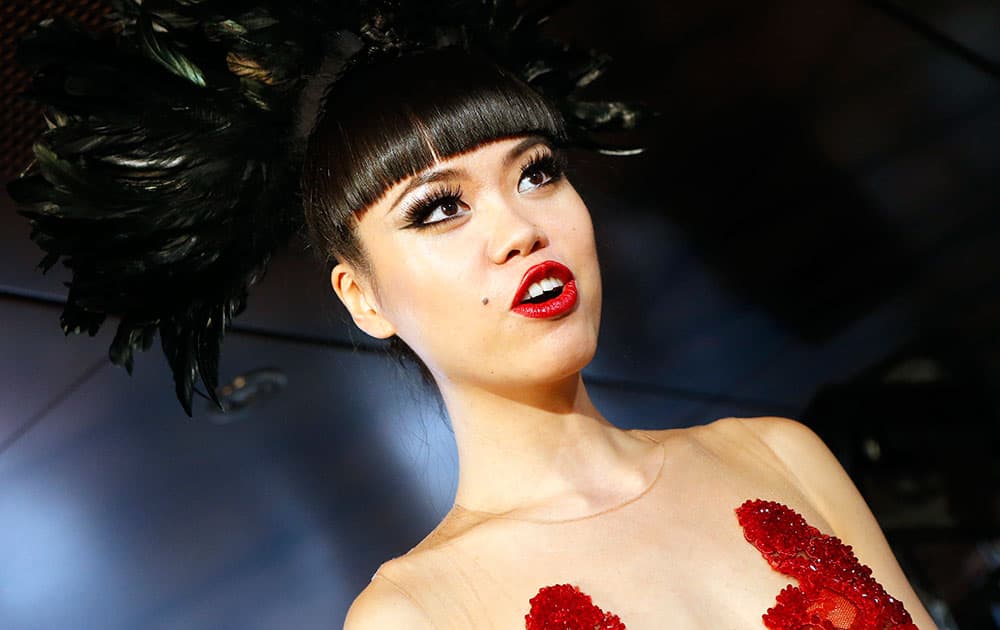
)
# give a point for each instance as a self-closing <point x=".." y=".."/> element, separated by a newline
<point x="552" y="364"/>
<point x="524" y="357"/>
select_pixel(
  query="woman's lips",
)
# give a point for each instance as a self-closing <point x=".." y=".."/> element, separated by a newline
<point x="554" y="306"/>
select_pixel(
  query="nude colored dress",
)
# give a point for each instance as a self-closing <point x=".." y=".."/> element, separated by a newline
<point x="628" y="568"/>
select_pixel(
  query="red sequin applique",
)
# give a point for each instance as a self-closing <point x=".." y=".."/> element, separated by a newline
<point x="835" y="591"/>
<point x="566" y="607"/>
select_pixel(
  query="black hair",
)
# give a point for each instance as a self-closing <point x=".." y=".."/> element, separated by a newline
<point x="387" y="119"/>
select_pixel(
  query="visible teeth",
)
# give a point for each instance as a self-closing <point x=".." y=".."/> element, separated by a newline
<point x="537" y="288"/>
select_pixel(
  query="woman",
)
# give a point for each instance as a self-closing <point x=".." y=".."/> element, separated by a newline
<point x="436" y="181"/>
<point x="474" y="210"/>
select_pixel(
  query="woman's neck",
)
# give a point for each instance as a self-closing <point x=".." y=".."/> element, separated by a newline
<point x="543" y="452"/>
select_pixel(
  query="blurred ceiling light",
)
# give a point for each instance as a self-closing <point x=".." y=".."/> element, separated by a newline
<point x="246" y="390"/>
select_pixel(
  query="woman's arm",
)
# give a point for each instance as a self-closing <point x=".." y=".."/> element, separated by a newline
<point x="829" y="487"/>
<point x="384" y="605"/>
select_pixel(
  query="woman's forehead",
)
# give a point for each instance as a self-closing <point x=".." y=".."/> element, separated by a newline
<point x="502" y="149"/>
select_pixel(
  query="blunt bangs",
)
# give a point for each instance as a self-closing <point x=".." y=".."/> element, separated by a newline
<point x="386" y="121"/>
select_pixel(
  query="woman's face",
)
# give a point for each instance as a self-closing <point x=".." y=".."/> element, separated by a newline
<point x="449" y="251"/>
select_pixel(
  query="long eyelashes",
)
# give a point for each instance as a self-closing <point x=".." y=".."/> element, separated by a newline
<point x="546" y="164"/>
<point x="552" y="163"/>
<point x="417" y="211"/>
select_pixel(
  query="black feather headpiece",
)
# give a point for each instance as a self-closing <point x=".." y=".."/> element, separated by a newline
<point x="169" y="172"/>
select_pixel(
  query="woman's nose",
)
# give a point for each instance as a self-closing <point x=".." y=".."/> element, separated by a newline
<point x="513" y="233"/>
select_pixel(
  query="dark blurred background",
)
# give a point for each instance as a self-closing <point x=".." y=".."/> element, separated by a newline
<point x="813" y="232"/>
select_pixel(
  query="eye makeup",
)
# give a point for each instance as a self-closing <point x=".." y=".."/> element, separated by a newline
<point x="545" y="162"/>
<point x="446" y="197"/>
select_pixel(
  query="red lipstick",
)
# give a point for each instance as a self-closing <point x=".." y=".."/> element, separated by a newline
<point x="562" y="299"/>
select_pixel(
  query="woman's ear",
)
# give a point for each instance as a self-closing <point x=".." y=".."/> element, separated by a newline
<point x="360" y="302"/>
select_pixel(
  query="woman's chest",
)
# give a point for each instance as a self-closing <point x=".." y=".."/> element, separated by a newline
<point x="690" y="582"/>
<point x="678" y="556"/>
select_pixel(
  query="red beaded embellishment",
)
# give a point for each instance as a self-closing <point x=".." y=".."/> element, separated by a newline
<point x="566" y="607"/>
<point x="835" y="591"/>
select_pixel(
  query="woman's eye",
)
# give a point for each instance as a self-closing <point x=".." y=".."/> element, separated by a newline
<point x="443" y="210"/>
<point x="541" y="171"/>
<point x="534" y="177"/>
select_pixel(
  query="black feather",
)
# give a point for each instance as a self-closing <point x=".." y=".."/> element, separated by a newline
<point x="169" y="174"/>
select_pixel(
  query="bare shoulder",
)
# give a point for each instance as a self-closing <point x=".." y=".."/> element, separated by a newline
<point x="830" y="489"/>
<point x="383" y="604"/>
<point x="397" y="596"/>
<point x="815" y="469"/>
<point x="727" y="436"/>
<point x="813" y="466"/>
<point x="781" y="433"/>
<point x="791" y="445"/>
